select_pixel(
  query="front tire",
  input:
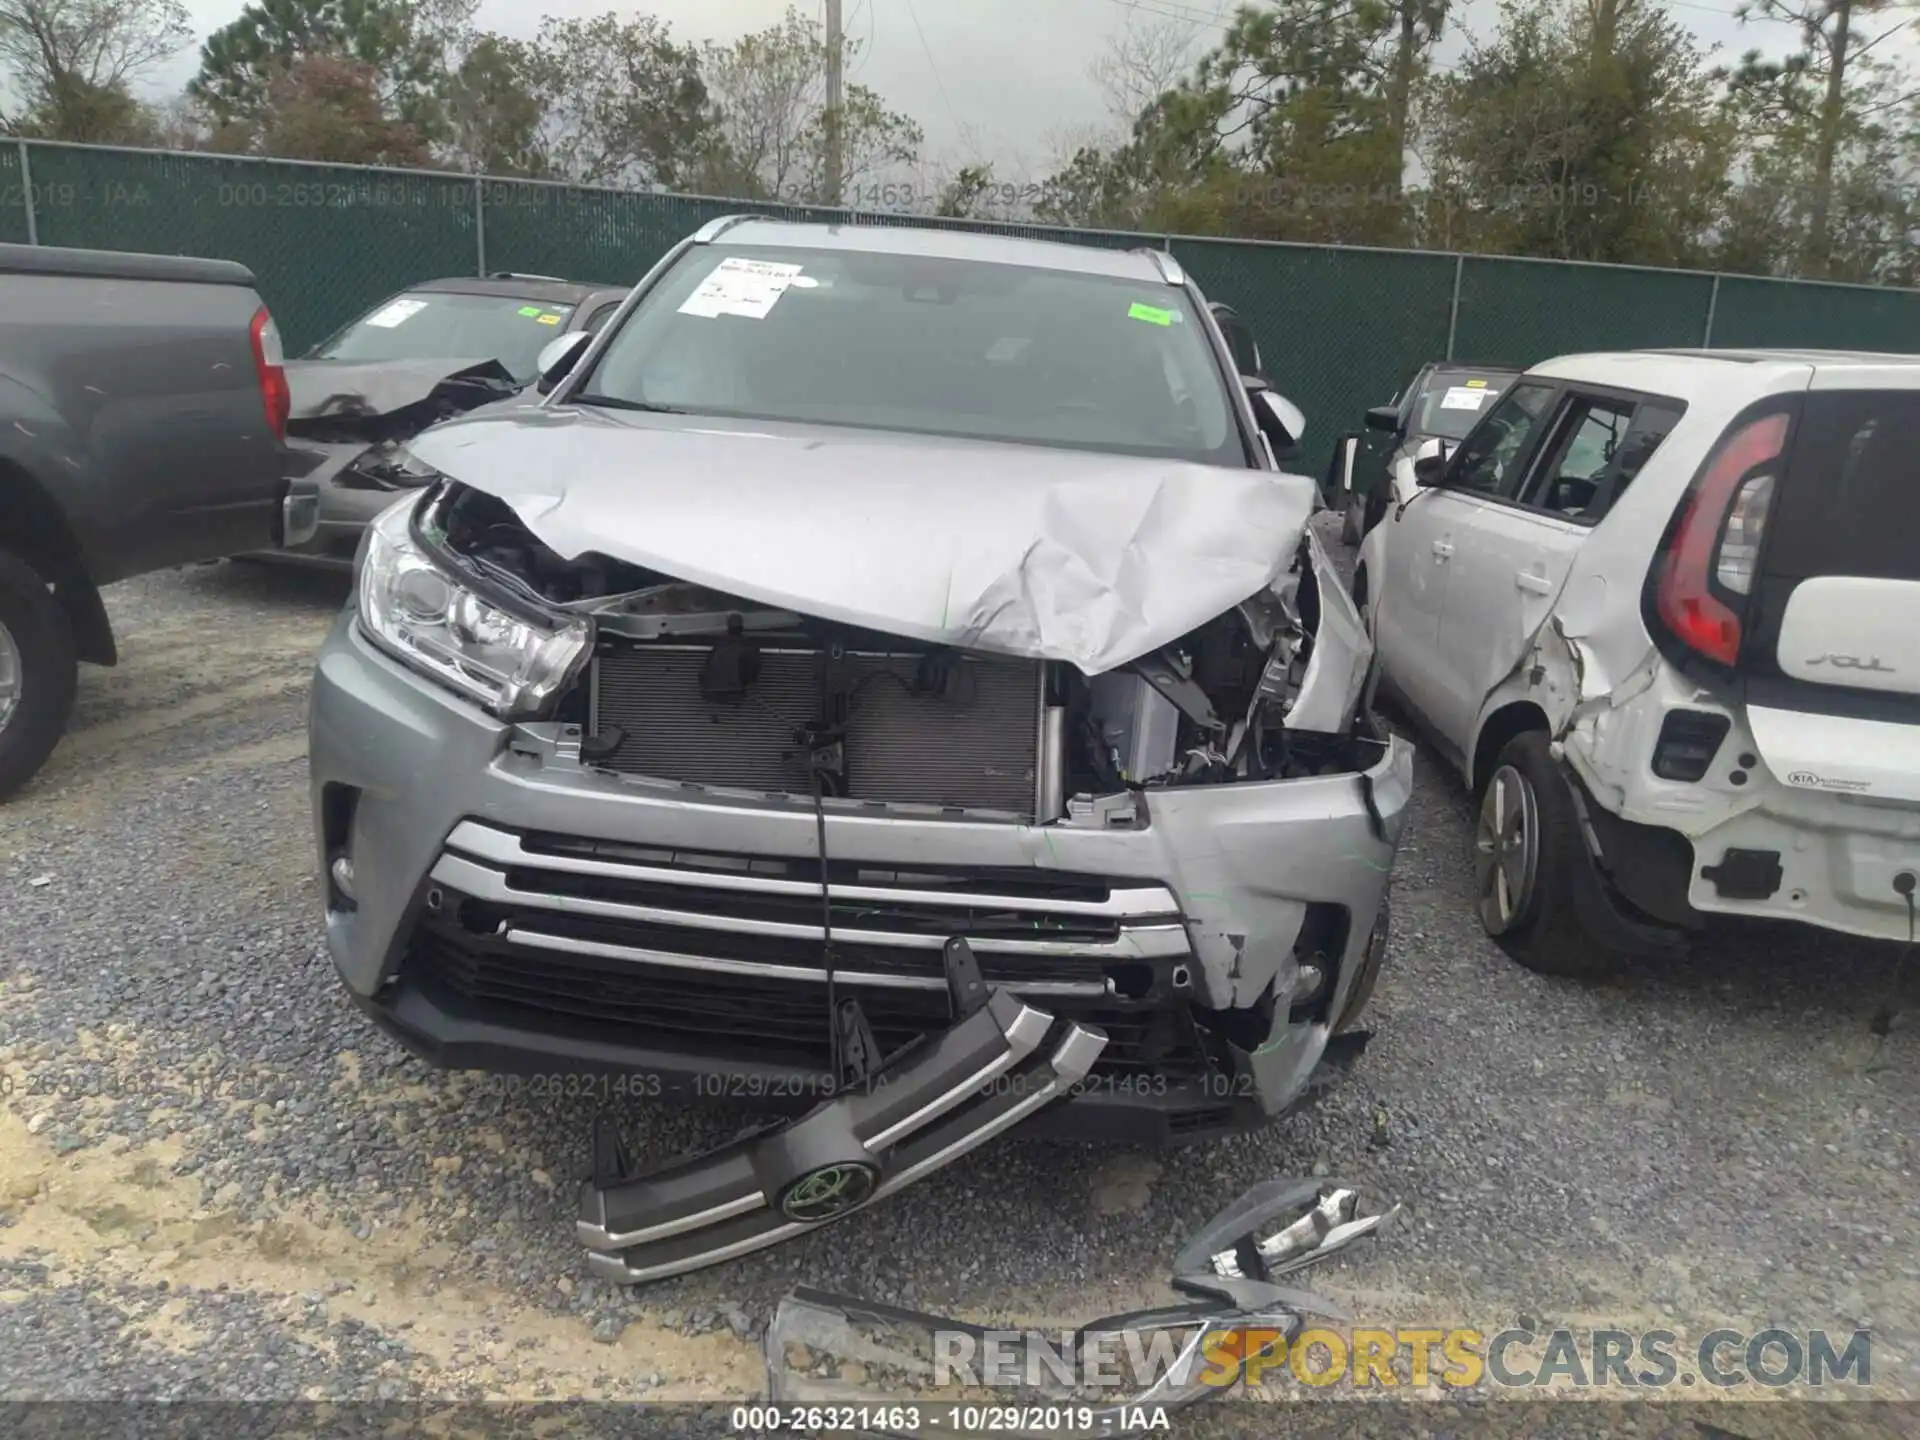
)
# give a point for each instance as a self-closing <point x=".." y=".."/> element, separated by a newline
<point x="38" y="672"/>
<point x="1352" y="527"/>
<point x="1371" y="960"/>
<point x="1527" y="847"/>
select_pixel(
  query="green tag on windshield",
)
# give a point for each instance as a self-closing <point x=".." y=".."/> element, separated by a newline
<point x="530" y="310"/>
<point x="1151" y="314"/>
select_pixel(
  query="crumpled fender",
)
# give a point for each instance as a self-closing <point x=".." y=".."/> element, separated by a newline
<point x="1342" y="652"/>
<point x="1586" y="708"/>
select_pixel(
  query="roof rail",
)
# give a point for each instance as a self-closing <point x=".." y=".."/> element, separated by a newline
<point x="715" y="228"/>
<point x="1169" y="267"/>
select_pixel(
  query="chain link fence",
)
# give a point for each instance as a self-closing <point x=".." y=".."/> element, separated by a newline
<point x="1341" y="328"/>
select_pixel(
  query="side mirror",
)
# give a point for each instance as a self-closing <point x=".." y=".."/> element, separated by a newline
<point x="1429" y="470"/>
<point x="1384" y="417"/>
<point x="1283" y="412"/>
<point x="559" y="356"/>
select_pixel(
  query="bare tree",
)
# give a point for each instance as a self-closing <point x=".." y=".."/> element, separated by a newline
<point x="769" y="91"/>
<point x="70" y="63"/>
<point x="1144" y="61"/>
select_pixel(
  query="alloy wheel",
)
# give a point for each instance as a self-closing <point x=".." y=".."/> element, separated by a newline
<point x="12" y="677"/>
<point x="1506" y="849"/>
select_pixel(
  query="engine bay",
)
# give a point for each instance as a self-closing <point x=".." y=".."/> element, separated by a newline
<point x="705" y="688"/>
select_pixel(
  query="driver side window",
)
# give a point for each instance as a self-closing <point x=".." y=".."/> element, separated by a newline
<point x="1589" y="437"/>
<point x="1491" y="460"/>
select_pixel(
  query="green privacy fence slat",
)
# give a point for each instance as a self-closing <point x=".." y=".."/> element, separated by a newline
<point x="13" y="198"/>
<point x="1822" y="317"/>
<point x="1522" y="312"/>
<point x="325" y="241"/>
<point x="1339" y="330"/>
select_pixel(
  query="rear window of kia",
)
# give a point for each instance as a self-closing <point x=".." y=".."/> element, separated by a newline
<point x="1851" y="502"/>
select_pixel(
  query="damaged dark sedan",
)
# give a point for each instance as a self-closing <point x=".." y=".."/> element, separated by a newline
<point x="428" y="353"/>
<point x="884" y="652"/>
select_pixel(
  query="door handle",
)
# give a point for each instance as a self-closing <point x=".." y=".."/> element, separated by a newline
<point x="1443" y="548"/>
<point x="1534" y="581"/>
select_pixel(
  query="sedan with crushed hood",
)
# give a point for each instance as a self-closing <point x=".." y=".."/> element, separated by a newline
<point x="868" y="619"/>
<point x="433" y="351"/>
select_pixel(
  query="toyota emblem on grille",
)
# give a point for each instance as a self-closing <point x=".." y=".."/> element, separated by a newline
<point x="830" y="1191"/>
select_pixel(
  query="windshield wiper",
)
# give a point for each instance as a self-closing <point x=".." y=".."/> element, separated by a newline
<point x="614" y="402"/>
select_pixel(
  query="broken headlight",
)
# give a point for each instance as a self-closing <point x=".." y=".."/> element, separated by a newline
<point x="411" y="605"/>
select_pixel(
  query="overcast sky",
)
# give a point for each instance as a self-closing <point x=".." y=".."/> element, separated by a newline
<point x="1004" y="80"/>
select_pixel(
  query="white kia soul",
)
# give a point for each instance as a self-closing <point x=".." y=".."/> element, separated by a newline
<point x="1662" y="610"/>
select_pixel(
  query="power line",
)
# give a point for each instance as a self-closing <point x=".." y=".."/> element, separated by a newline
<point x="932" y="65"/>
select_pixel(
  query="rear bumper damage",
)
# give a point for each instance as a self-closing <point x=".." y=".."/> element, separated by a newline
<point x="1751" y="836"/>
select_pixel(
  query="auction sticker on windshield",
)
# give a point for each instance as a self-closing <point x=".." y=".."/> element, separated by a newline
<point x="1460" y="397"/>
<point x="747" y="288"/>
<point x="388" y="316"/>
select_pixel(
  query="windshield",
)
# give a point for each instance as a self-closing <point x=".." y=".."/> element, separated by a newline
<point x="1452" y="400"/>
<point x="934" y="346"/>
<point x="435" y="325"/>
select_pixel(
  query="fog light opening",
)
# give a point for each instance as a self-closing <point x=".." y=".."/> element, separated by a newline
<point x="342" y="872"/>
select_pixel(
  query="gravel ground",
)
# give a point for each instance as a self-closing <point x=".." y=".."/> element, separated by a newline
<point x="217" y="1182"/>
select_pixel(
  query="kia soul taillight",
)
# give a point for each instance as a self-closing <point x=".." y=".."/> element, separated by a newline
<point x="269" y="363"/>
<point x="1706" y="570"/>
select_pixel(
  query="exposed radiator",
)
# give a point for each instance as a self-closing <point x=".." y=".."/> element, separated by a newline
<point x="976" y="747"/>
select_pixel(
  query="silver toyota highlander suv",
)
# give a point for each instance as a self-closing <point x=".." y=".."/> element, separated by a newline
<point x="879" y="644"/>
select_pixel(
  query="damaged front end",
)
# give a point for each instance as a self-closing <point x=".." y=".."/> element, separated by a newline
<point x="1117" y="1375"/>
<point x="348" y="428"/>
<point x="1168" y="876"/>
<point x="1085" y="835"/>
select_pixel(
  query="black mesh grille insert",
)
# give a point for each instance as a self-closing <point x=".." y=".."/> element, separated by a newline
<point x="768" y="1021"/>
<point x="974" y="747"/>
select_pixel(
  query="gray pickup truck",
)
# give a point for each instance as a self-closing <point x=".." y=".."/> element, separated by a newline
<point x="143" y="412"/>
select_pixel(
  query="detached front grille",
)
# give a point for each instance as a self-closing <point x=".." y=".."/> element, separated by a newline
<point x="973" y="746"/>
<point x="687" y="953"/>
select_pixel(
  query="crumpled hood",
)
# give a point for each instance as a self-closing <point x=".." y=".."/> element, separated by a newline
<point x="339" y="401"/>
<point x="1092" y="559"/>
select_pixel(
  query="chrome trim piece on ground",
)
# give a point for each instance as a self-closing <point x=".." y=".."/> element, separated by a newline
<point x="501" y="847"/>
<point x="952" y="1121"/>
<point x="1071" y="1062"/>
<point x="1021" y="1036"/>
<point x="973" y="1085"/>
<point x="826" y="1350"/>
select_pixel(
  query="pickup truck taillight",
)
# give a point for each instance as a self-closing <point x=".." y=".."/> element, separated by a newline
<point x="268" y="360"/>
<point x="1708" y="563"/>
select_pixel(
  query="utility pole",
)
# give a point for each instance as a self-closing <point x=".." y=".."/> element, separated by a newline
<point x="836" y="139"/>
